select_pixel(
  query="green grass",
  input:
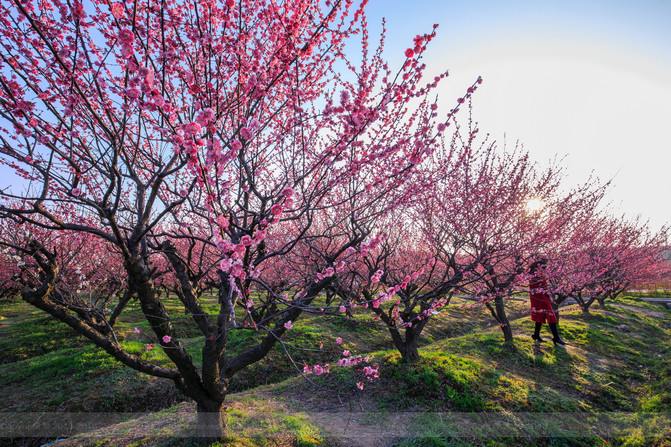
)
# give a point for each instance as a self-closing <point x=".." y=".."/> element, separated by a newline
<point x="252" y="422"/>
<point x="465" y="369"/>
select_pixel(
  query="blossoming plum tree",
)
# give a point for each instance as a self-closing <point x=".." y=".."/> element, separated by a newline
<point x="410" y="270"/>
<point x="603" y="256"/>
<point x="203" y="145"/>
<point x="505" y="234"/>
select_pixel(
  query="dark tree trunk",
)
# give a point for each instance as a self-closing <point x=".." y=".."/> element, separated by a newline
<point x="498" y="311"/>
<point x="211" y="421"/>
<point x="587" y="304"/>
<point x="581" y="302"/>
<point x="503" y="319"/>
<point x="407" y="347"/>
<point x="409" y="351"/>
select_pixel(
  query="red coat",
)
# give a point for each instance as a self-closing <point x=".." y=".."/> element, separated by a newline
<point x="541" y="306"/>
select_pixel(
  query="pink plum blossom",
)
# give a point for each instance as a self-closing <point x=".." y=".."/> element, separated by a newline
<point x="192" y="128"/>
<point x="276" y="209"/>
<point x="246" y="133"/>
<point x="222" y="221"/>
<point x="225" y="265"/>
<point x="288" y="192"/>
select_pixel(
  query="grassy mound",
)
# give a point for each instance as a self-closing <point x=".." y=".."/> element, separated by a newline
<point x="610" y="386"/>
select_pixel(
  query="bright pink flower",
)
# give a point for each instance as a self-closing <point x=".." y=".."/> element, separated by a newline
<point x="225" y="265"/>
<point x="254" y="123"/>
<point x="222" y="221"/>
<point x="339" y="340"/>
<point x="205" y="116"/>
<point x="409" y="53"/>
<point x="246" y="133"/>
<point x="166" y="339"/>
<point x="360" y="385"/>
<point x="346" y="353"/>
<point x="132" y="93"/>
<point x="118" y="10"/>
<point x="246" y="240"/>
<point x="371" y="371"/>
<point x="225" y="246"/>
<point x="288" y="325"/>
<point x="76" y="192"/>
<point x="306" y="369"/>
<point x="149" y="347"/>
<point x="318" y="370"/>
<point x="288" y="192"/>
<point x="236" y="145"/>
<point x="126" y="36"/>
<point x="192" y="128"/>
<point x="78" y="10"/>
<point x="441" y="127"/>
<point x="342" y="309"/>
<point x="137" y="331"/>
<point x="237" y="269"/>
<point x="276" y="209"/>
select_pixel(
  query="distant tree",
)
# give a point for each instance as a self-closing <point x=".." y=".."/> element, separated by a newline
<point x="516" y="212"/>
<point x="605" y="256"/>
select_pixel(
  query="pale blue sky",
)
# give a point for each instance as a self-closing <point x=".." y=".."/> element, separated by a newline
<point x="587" y="79"/>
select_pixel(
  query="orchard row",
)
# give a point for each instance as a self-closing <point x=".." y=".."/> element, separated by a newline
<point x="244" y="148"/>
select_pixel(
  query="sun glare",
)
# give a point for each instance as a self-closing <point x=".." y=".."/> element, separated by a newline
<point x="534" y="205"/>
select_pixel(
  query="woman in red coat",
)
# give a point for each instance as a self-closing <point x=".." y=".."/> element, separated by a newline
<point x="541" y="305"/>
